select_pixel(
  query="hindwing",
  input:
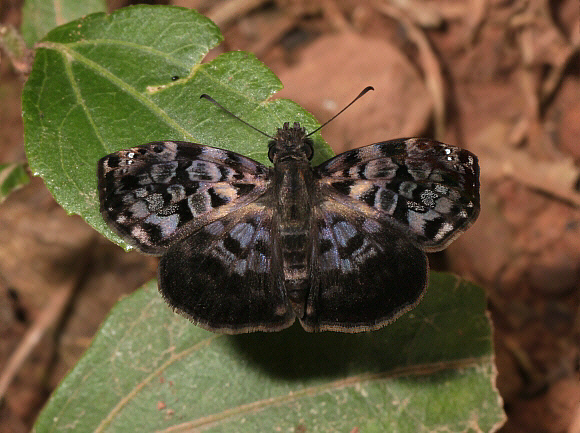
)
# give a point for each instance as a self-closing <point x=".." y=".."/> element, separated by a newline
<point x="226" y="277"/>
<point x="366" y="271"/>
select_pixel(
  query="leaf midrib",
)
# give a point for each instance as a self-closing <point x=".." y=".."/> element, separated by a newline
<point x="166" y="55"/>
<point x="258" y="405"/>
<point x="206" y="343"/>
<point x="65" y="51"/>
<point x="415" y="370"/>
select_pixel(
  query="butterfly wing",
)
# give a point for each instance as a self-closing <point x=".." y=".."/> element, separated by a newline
<point x="158" y="193"/>
<point x="428" y="188"/>
<point x="367" y="272"/>
<point x="226" y="276"/>
<point x="379" y="208"/>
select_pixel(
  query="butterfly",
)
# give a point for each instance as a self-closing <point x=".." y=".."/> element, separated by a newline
<point x="246" y="247"/>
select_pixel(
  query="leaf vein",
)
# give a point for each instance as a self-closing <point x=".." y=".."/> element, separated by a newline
<point x="259" y="405"/>
<point x="154" y="108"/>
<point x="173" y="358"/>
<point x="140" y="47"/>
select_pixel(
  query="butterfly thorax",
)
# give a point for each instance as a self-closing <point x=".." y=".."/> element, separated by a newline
<point x="293" y="180"/>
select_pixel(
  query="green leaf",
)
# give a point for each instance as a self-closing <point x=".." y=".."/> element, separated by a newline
<point x="40" y="16"/>
<point x="149" y="369"/>
<point x="12" y="177"/>
<point x="109" y="82"/>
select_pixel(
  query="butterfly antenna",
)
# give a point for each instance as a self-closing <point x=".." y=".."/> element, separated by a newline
<point x="360" y="95"/>
<point x="213" y="101"/>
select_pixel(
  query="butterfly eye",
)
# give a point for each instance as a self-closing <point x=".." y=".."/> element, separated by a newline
<point x="308" y="150"/>
<point x="271" y="152"/>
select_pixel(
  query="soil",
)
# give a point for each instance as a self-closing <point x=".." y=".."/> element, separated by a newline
<point x="498" y="77"/>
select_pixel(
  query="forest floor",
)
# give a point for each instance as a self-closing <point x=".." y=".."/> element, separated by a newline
<point x="500" y="78"/>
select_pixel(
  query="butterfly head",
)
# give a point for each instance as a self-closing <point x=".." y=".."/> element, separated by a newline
<point x="290" y="143"/>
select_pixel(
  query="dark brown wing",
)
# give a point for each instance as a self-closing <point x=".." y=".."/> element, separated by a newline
<point x="226" y="277"/>
<point x="378" y="209"/>
<point x="158" y="193"/>
<point x="429" y="188"/>
<point x="365" y="272"/>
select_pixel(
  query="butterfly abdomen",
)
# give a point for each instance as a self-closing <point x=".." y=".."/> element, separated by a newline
<point x="293" y="182"/>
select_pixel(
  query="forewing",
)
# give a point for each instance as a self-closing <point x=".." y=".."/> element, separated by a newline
<point x="155" y="194"/>
<point x="365" y="272"/>
<point x="226" y="277"/>
<point x="431" y="189"/>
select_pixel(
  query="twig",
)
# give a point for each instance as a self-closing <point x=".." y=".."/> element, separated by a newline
<point x="273" y="33"/>
<point x="431" y="68"/>
<point x="335" y="16"/>
<point x="13" y="45"/>
<point x="475" y="16"/>
<point x="531" y="374"/>
<point x="541" y="42"/>
<point x="575" y="424"/>
<point x="422" y="13"/>
<point x="553" y="178"/>
<point x="556" y="74"/>
<point x="49" y="316"/>
<point x="232" y="10"/>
